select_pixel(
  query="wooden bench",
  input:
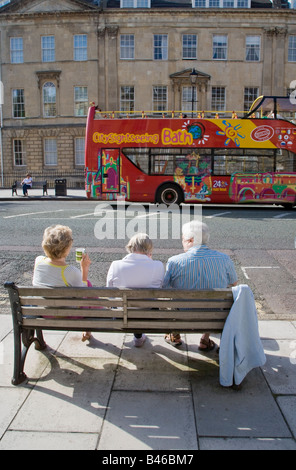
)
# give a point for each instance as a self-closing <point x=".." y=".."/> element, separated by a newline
<point x="35" y="184"/>
<point x="108" y="309"/>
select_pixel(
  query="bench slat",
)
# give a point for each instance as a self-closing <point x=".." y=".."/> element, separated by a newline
<point x="61" y="302"/>
<point x="108" y="292"/>
<point x="64" y="312"/>
<point x="146" y="326"/>
<point x="156" y="303"/>
<point x="80" y="325"/>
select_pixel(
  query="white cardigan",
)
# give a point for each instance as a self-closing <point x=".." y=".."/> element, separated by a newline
<point x="240" y="349"/>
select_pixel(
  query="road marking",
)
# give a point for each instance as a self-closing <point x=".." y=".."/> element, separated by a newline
<point x="216" y="215"/>
<point x="82" y="215"/>
<point x="243" y="268"/>
<point x="281" y="215"/>
<point x="31" y="213"/>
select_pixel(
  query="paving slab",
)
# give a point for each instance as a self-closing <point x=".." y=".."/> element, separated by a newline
<point x="109" y="395"/>
<point x="156" y="366"/>
<point x="249" y="412"/>
<point x="27" y="440"/>
<point x="76" y="393"/>
<point x="216" y="443"/>
<point x="149" y="420"/>
<point x="280" y="367"/>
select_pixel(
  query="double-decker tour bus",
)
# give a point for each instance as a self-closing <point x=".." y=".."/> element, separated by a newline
<point x="176" y="158"/>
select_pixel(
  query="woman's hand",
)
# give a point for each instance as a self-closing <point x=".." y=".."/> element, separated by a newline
<point x="85" y="264"/>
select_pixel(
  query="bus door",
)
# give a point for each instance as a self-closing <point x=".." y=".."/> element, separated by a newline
<point x="110" y="168"/>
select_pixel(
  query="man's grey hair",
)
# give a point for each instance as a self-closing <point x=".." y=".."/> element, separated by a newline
<point x="196" y="230"/>
<point x="140" y="243"/>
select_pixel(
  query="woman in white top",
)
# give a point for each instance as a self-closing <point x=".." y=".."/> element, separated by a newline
<point x="52" y="270"/>
<point x="137" y="269"/>
<point x="27" y="183"/>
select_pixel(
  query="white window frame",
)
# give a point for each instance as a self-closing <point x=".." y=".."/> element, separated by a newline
<point x="18" y="103"/>
<point x="80" y="101"/>
<point x="127" y="98"/>
<point x="220" y="49"/>
<point x="161" y="104"/>
<point x="80" y="45"/>
<point x="187" y="92"/>
<point x="220" y="104"/>
<point x="127" y="46"/>
<point x="48" y="48"/>
<point x="221" y="3"/>
<point x="21" y="151"/>
<point x="50" y="151"/>
<point x="253" y="48"/>
<point x="49" y="102"/>
<point x="292" y="48"/>
<point x="79" y="146"/>
<point x="190" y="47"/>
<point x="16" y="50"/>
<point x="135" y="3"/>
<point x="160" y="51"/>
<point x="252" y="91"/>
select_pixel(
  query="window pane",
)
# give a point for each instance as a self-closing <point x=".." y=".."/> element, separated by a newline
<point x="219" y="47"/>
<point x="49" y="100"/>
<point x="250" y="94"/>
<point x="189" y="46"/>
<point x="80" y="101"/>
<point x="80" y="47"/>
<point x="292" y="49"/>
<point x="127" y="98"/>
<point x="127" y="46"/>
<point x="187" y="93"/>
<point x="159" y="98"/>
<point x="16" y="50"/>
<point x="48" y="48"/>
<point x="160" y="47"/>
<point x="19" y="153"/>
<point x="79" y="150"/>
<point x="218" y="98"/>
<point x="50" y="152"/>
<point x="253" y="48"/>
<point x="18" y="103"/>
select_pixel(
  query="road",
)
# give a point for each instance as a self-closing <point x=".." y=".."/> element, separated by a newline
<point x="260" y="240"/>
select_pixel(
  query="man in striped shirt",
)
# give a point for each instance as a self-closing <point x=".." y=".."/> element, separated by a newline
<point x="198" y="267"/>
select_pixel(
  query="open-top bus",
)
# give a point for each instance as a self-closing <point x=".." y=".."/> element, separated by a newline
<point x="175" y="158"/>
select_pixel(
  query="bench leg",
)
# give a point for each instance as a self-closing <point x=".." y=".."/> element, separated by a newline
<point x="25" y="337"/>
<point x="19" y="358"/>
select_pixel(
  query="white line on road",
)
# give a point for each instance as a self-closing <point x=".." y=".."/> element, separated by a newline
<point x="216" y="215"/>
<point x="243" y="268"/>
<point x="81" y="215"/>
<point x="281" y="215"/>
<point x="31" y="213"/>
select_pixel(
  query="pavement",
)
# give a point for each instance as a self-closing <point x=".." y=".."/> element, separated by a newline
<point x="36" y="195"/>
<point x="107" y="395"/>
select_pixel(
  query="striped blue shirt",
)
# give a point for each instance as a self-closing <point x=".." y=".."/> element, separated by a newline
<point x="200" y="268"/>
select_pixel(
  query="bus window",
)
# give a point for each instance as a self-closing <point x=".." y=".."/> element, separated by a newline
<point x="228" y="161"/>
<point x="139" y="157"/>
<point x="264" y="157"/>
<point x="285" y="161"/>
<point x="182" y="162"/>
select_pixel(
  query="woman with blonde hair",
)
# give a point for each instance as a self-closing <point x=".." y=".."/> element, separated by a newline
<point x="52" y="270"/>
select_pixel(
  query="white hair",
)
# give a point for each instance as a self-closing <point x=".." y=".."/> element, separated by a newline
<point x="140" y="243"/>
<point x="196" y="230"/>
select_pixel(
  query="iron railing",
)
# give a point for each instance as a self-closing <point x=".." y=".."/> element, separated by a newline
<point x="75" y="178"/>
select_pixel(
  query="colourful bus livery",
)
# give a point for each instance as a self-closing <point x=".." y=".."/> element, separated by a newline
<point x="191" y="160"/>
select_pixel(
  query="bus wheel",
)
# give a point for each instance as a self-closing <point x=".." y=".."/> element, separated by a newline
<point x="169" y="194"/>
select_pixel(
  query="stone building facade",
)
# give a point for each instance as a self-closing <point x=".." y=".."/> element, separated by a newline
<point x="58" y="56"/>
